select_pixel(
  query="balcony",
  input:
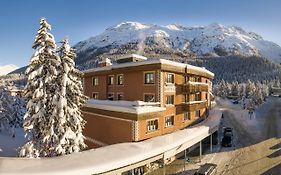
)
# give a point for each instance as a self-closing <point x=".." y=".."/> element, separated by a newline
<point x="194" y="87"/>
<point x="194" y="105"/>
<point x="169" y="87"/>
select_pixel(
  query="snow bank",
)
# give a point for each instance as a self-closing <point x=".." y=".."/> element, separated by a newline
<point x="9" y="144"/>
<point x="114" y="156"/>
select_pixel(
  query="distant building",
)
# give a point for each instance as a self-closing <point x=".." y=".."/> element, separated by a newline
<point x="140" y="98"/>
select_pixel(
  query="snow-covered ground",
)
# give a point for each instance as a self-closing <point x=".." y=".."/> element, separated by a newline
<point x="257" y="141"/>
<point x="10" y="144"/>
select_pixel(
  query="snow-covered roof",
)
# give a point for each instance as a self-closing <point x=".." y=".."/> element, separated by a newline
<point x="151" y="61"/>
<point x="105" y="60"/>
<point x="115" y="156"/>
<point x="132" y="56"/>
<point x="135" y="107"/>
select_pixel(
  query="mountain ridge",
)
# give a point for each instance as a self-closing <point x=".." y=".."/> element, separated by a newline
<point x="200" y="41"/>
<point x="7" y="69"/>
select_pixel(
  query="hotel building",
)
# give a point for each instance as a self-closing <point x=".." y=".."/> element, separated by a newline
<point x="138" y="98"/>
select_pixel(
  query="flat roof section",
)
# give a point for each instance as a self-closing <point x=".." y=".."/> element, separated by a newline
<point x="134" y="107"/>
<point x="149" y="62"/>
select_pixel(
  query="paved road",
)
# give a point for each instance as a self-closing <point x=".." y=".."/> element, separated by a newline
<point x="258" y="143"/>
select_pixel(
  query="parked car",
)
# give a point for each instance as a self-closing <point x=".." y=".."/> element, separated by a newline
<point x="207" y="169"/>
<point x="227" y="140"/>
<point x="227" y="130"/>
<point x="235" y="102"/>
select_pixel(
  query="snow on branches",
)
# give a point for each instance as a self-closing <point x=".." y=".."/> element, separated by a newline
<point x="53" y="120"/>
<point x="12" y="108"/>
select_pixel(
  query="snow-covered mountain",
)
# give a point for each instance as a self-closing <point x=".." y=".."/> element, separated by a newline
<point x="211" y="40"/>
<point x="7" y="69"/>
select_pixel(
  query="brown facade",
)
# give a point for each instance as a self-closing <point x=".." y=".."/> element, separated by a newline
<point x="184" y="94"/>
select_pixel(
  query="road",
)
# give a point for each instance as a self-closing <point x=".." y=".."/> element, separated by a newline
<point x="257" y="143"/>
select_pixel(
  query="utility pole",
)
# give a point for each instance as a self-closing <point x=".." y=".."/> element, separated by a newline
<point x="211" y="143"/>
<point x="184" y="159"/>
<point x="164" y="168"/>
<point x="200" y="150"/>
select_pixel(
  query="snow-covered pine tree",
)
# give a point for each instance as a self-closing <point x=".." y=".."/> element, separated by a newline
<point x="39" y="92"/>
<point x="6" y="108"/>
<point x="19" y="111"/>
<point x="70" y="100"/>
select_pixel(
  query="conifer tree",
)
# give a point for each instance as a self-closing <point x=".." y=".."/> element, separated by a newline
<point x="70" y="100"/>
<point x="6" y="108"/>
<point x="39" y="92"/>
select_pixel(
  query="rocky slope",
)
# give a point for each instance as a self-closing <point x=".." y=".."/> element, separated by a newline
<point x="174" y="42"/>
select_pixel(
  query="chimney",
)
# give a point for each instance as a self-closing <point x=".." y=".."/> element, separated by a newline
<point x="104" y="62"/>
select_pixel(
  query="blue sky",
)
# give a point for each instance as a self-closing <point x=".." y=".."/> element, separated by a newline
<point x="80" y="19"/>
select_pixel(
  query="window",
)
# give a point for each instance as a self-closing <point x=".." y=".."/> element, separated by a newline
<point x="186" y="116"/>
<point x="195" y="79"/>
<point x="206" y="96"/>
<point x="95" y="95"/>
<point x="110" y="80"/>
<point x="169" y="121"/>
<point x="119" y="79"/>
<point x="170" y="78"/>
<point x="120" y="96"/>
<point x="198" y="97"/>
<point x="197" y="114"/>
<point x="95" y="81"/>
<point x="185" y="98"/>
<point x="149" y="78"/>
<point x="170" y="99"/>
<point x="110" y="96"/>
<point x="152" y="125"/>
<point x="149" y="98"/>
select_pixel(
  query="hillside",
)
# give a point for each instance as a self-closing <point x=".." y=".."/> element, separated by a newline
<point x="176" y="41"/>
<point x="7" y="69"/>
<point x="238" y="68"/>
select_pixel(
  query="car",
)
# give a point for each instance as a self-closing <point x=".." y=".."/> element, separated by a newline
<point x="227" y="130"/>
<point x="207" y="169"/>
<point x="227" y="140"/>
<point x="235" y="102"/>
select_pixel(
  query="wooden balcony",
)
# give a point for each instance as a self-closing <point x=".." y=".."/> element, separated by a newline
<point x="193" y="106"/>
<point x="194" y="88"/>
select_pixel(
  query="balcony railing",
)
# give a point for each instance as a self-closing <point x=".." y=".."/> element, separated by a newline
<point x="194" y="105"/>
<point x="169" y="88"/>
<point x="194" y="87"/>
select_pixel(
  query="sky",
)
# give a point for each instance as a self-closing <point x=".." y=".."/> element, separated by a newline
<point x="80" y="19"/>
